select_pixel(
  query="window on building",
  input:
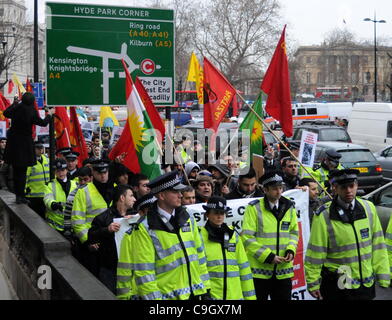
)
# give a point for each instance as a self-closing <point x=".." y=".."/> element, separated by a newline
<point x="308" y="77"/>
<point x="320" y="78"/>
<point x="365" y="90"/>
<point x="365" y="59"/>
<point x="354" y="61"/>
<point x="354" y="77"/>
<point x="332" y="78"/>
<point x="366" y="77"/>
<point x="1" y="12"/>
<point x="308" y="59"/>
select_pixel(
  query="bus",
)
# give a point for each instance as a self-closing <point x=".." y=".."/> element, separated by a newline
<point x="187" y="99"/>
<point x="332" y="93"/>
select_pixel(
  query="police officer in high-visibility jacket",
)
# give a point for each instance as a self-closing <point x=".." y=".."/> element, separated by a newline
<point x="37" y="177"/>
<point x="227" y="262"/>
<point x="330" y="162"/>
<point x="388" y="242"/>
<point x="89" y="202"/>
<point x="270" y="236"/>
<point x="165" y="253"/>
<point x="56" y="194"/>
<point x="346" y="252"/>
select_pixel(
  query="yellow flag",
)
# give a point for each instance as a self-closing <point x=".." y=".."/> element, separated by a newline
<point x="16" y="80"/>
<point x="107" y="118"/>
<point x="195" y="74"/>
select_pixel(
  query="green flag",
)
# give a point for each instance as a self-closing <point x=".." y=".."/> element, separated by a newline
<point x="255" y="127"/>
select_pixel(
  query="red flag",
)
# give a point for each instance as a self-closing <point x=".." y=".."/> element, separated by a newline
<point x="29" y="87"/>
<point x="218" y="93"/>
<point x="152" y="111"/>
<point x="4" y="104"/>
<point x="62" y="128"/>
<point x="10" y="86"/>
<point x="276" y="84"/>
<point x="76" y="138"/>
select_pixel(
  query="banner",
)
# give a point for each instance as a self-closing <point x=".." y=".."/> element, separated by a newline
<point x="234" y="218"/>
<point x="307" y="150"/>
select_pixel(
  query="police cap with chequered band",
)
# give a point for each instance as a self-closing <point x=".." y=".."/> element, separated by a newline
<point x="333" y="155"/>
<point x="64" y="151"/>
<point x="100" y="165"/>
<point x="216" y="203"/>
<point x="72" y="155"/>
<point x="272" y="178"/>
<point x="38" y="144"/>
<point x="144" y="201"/>
<point x="59" y="164"/>
<point x="344" y="176"/>
<point x="168" y="181"/>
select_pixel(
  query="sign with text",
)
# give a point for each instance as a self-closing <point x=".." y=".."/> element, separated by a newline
<point x="307" y="150"/>
<point x="85" y="46"/>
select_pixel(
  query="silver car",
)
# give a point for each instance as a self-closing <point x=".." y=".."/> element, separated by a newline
<point x="384" y="157"/>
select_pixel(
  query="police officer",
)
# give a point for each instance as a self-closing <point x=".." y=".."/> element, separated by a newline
<point x="72" y="164"/>
<point x="56" y="193"/>
<point x="346" y="252"/>
<point x="227" y="262"/>
<point x="89" y="202"/>
<point x="164" y="253"/>
<point x="61" y="153"/>
<point x="143" y="204"/>
<point x="328" y="164"/>
<point x="388" y="242"/>
<point x="270" y="236"/>
<point x="37" y="177"/>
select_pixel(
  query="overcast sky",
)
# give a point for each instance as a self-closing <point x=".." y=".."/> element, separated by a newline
<point x="308" y="20"/>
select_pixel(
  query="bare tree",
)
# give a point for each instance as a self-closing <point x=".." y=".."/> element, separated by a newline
<point x="13" y="42"/>
<point x="238" y="36"/>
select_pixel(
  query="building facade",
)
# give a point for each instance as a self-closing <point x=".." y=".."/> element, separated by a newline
<point x="17" y="45"/>
<point x="342" y="72"/>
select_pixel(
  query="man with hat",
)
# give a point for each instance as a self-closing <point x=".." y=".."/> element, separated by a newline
<point x="224" y="181"/>
<point x="37" y="177"/>
<point x="56" y="193"/>
<point x="227" y="262"/>
<point x="270" y="236"/>
<point x="61" y="153"/>
<point x="89" y="202"/>
<point x="164" y="252"/>
<point x="329" y="163"/>
<point x="346" y="252"/>
<point x="72" y="164"/>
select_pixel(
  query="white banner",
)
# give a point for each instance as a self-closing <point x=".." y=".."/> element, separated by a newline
<point x="307" y="149"/>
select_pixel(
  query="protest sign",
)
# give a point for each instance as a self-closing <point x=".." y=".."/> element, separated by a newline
<point x="307" y="149"/>
<point x="3" y="129"/>
<point x="87" y="129"/>
<point x="116" y="133"/>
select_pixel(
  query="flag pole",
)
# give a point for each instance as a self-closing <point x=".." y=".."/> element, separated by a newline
<point x="284" y="145"/>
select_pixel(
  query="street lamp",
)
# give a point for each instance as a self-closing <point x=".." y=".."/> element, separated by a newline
<point x="375" y="52"/>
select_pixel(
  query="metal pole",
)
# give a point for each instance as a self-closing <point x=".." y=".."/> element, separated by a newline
<point x="52" y="146"/>
<point x="35" y="41"/>
<point x="375" y="59"/>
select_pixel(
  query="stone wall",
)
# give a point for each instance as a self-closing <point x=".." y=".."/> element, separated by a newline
<point x="36" y="257"/>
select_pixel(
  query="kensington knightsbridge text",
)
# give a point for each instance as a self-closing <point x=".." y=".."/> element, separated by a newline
<point x="198" y="309"/>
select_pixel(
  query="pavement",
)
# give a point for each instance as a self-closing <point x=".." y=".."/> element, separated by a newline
<point x="383" y="293"/>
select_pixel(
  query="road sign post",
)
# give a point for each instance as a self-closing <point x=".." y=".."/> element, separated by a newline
<point x="85" y="45"/>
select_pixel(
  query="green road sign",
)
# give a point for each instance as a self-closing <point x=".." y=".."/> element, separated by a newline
<point x="85" y="45"/>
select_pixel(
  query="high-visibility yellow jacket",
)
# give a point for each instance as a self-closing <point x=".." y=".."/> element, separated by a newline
<point x="167" y="265"/>
<point x="388" y="242"/>
<point x="88" y="203"/>
<point x="55" y="193"/>
<point x="320" y="173"/>
<point x="37" y="177"/>
<point x="358" y="247"/>
<point x="228" y="266"/>
<point x="265" y="235"/>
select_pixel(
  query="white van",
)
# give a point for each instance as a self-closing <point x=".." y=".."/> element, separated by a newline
<point x="370" y="125"/>
<point x="321" y="111"/>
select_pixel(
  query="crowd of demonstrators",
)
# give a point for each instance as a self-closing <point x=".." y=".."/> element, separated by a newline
<point x="165" y="254"/>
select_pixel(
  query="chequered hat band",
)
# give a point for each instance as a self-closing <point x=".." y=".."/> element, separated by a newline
<point x="215" y="206"/>
<point x="166" y="185"/>
<point x="275" y="178"/>
<point x="147" y="201"/>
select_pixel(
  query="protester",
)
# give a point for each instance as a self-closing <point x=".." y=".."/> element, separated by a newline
<point x="224" y="181"/>
<point x="346" y="236"/>
<point x="188" y="196"/>
<point x="204" y="186"/>
<point x="191" y="170"/>
<point x="290" y="173"/>
<point x="247" y="187"/>
<point x="271" y="163"/>
<point x="37" y="177"/>
<point x="102" y="231"/>
<point x="19" y="151"/>
<point x="139" y="185"/>
<point x="144" y="252"/>
<point x="227" y="262"/>
<point x="314" y="200"/>
<point x="270" y="235"/>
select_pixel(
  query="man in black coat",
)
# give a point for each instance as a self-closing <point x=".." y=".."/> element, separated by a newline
<point x="102" y="231"/>
<point x="246" y="187"/>
<point x="19" y="151"/>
